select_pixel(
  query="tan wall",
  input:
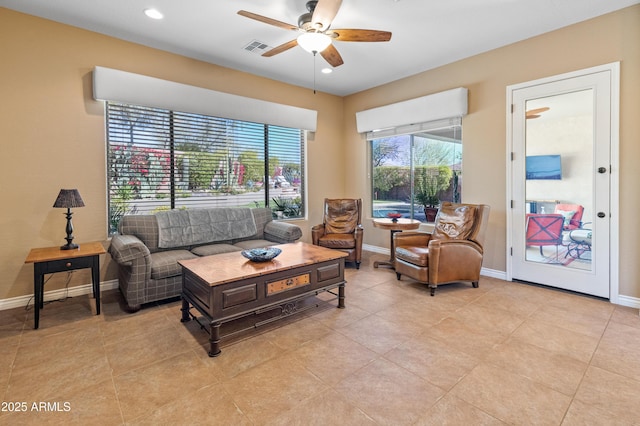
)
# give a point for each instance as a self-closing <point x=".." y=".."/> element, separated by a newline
<point x="52" y="132"/>
<point x="609" y="38"/>
<point x="52" y="135"/>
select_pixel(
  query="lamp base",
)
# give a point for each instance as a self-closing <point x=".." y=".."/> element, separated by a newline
<point x="69" y="229"/>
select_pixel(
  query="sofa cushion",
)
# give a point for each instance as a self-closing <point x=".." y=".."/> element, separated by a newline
<point x="180" y="228"/>
<point x="164" y="264"/>
<point x="211" y="249"/>
<point x="253" y="244"/>
<point x="261" y="216"/>
<point x="145" y="227"/>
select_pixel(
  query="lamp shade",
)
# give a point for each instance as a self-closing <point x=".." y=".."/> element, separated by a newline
<point x="314" y="42"/>
<point x="68" y="198"/>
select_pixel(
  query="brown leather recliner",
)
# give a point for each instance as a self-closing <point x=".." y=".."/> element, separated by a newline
<point x="341" y="228"/>
<point x="452" y="253"/>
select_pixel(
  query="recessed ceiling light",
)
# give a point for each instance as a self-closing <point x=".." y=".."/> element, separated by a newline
<point x="327" y="70"/>
<point x="153" y="13"/>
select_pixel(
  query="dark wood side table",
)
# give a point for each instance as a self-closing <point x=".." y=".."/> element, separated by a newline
<point x="49" y="260"/>
<point x="399" y="225"/>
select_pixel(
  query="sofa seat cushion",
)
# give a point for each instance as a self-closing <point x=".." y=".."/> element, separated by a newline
<point x="254" y="244"/>
<point x="337" y="241"/>
<point x="415" y="255"/>
<point x="211" y="249"/>
<point x="164" y="264"/>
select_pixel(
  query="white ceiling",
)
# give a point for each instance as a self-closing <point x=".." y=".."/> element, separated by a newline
<point x="426" y="33"/>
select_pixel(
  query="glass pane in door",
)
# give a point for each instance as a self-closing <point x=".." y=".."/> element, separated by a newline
<point x="559" y="206"/>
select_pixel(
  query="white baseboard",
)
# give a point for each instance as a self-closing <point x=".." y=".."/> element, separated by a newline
<point x="494" y="273"/>
<point x="632" y="302"/>
<point x="21" y="301"/>
<point x="376" y="249"/>
<point x="485" y="271"/>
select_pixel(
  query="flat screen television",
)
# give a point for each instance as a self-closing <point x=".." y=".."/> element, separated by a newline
<point x="547" y="167"/>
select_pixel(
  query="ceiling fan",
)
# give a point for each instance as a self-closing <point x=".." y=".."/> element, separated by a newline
<point x="535" y="113"/>
<point x="315" y="33"/>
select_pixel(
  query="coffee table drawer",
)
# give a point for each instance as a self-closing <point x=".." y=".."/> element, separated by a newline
<point x="329" y="272"/>
<point x="287" y="284"/>
<point x="239" y="295"/>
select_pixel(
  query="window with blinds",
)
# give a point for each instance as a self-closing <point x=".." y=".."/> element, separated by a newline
<point x="160" y="159"/>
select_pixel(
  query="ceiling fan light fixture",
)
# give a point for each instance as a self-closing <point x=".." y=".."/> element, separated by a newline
<point x="153" y="13"/>
<point x="314" y="42"/>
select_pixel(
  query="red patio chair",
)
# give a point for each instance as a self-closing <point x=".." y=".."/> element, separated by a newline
<point x="544" y="230"/>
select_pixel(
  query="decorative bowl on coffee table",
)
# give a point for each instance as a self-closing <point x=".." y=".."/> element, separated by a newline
<point x="261" y="254"/>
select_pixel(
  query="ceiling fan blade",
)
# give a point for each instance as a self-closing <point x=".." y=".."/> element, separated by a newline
<point x="279" y="49"/>
<point x="536" y="111"/>
<point x="324" y="13"/>
<point x="331" y="55"/>
<point x="359" y="35"/>
<point x="266" y="20"/>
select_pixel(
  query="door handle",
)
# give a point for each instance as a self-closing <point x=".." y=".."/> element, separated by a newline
<point x="601" y="215"/>
<point x="602" y="170"/>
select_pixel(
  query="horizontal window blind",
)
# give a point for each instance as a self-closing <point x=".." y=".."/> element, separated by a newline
<point x="160" y="159"/>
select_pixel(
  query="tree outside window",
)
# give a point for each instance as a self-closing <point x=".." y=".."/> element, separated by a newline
<point x="416" y="171"/>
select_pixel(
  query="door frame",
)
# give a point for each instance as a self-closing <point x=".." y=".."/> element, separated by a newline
<point x="614" y="182"/>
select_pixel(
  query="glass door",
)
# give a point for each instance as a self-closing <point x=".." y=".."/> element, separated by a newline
<point x="560" y="184"/>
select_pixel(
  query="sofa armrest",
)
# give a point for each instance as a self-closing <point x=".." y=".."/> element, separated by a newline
<point x="134" y="268"/>
<point x="282" y="232"/>
<point x="124" y="249"/>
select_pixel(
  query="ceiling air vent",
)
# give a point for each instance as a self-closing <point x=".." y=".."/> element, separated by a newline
<point x="256" y="47"/>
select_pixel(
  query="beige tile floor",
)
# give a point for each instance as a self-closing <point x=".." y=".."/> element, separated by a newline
<point x="504" y="353"/>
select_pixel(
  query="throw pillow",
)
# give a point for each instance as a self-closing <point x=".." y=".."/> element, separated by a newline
<point x="567" y="215"/>
<point x="341" y="216"/>
<point x="454" y="222"/>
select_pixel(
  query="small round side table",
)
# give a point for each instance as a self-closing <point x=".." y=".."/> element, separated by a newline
<point x="397" y="226"/>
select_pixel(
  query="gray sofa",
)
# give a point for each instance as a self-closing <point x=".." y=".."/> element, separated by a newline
<point x="147" y="248"/>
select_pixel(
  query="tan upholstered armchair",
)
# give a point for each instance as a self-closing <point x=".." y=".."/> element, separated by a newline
<point x="452" y="253"/>
<point x="341" y="228"/>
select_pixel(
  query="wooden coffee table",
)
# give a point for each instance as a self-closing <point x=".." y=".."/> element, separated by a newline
<point x="227" y="286"/>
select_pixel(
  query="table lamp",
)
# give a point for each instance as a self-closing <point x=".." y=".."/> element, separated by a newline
<point x="68" y="198"/>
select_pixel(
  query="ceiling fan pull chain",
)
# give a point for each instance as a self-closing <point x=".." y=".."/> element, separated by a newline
<point x="314" y="72"/>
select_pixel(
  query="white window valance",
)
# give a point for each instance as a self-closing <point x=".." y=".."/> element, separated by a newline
<point x="438" y="106"/>
<point x="136" y="89"/>
<point x="410" y="129"/>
